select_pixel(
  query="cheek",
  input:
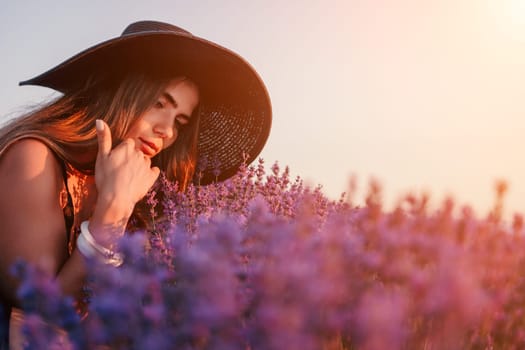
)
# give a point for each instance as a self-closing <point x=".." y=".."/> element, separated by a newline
<point x="135" y="129"/>
<point x="171" y="140"/>
<point x="131" y="133"/>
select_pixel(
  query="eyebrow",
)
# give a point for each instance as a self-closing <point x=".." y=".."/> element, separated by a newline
<point x="172" y="101"/>
<point x="169" y="98"/>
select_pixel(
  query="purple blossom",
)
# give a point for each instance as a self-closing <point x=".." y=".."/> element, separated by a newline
<point x="261" y="261"/>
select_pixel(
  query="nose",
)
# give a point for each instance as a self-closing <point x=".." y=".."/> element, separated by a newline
<point x="164" y="130"/>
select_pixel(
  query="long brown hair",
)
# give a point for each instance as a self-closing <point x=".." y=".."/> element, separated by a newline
<point x="67" y="124"/>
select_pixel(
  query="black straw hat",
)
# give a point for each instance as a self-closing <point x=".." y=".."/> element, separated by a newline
<point x="235" y="107"/>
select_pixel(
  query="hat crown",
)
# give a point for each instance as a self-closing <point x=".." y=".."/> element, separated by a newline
<point x="153" y="26"/>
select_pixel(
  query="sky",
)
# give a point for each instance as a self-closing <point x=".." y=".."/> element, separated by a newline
<point x="424" y="96"/>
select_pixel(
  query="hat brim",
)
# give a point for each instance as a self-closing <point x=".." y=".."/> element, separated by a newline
<point x="235" y="108"/>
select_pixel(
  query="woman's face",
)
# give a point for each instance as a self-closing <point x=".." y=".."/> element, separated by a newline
<point x="158" y="127"/>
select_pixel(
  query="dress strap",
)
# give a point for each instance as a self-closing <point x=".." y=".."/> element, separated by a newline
<point x="69" y="213"/>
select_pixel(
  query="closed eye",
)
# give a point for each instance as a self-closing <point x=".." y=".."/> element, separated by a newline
<point x="181" y="120"/>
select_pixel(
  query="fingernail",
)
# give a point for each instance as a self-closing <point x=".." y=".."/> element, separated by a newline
<point x="99" y="125"/>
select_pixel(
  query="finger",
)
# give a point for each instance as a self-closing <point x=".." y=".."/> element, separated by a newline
<point x="147" y="160"/>
<point x="154" y="174"/>
<point x="129" y="146"/>
<point x="104" y="138"/>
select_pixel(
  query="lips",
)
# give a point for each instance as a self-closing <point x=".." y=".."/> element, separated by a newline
<point x="148" y="148"/>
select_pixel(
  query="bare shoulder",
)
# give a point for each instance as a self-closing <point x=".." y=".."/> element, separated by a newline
<point x="28" y="158"/>
<point x="29" y="169"/>
<point x="30" y="211"/>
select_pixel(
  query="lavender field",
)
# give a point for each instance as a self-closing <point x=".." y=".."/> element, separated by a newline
<point x="263" y="262"/>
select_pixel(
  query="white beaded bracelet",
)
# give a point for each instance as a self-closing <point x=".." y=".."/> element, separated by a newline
<point x="87" y="245"/>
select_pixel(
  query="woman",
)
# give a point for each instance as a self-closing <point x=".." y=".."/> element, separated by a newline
<point x="73" y="172"/>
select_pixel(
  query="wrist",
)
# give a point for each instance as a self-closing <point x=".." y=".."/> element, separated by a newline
<point x="108" y="220"/>
<point x="110" y="209"/>
<point x="90" y="248"/>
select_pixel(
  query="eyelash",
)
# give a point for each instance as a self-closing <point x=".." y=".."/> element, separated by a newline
<point x="178" y="123"/>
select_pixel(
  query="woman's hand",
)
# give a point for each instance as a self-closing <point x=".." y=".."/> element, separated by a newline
<point x="123" y="175"/>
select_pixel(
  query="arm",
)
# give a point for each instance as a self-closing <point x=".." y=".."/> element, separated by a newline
<point x="32" y="222"/>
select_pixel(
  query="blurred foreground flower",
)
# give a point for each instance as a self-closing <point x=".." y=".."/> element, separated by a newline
<point x="263" y="262"/>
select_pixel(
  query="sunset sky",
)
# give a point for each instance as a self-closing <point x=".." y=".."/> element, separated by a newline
<point x="423" y="95"/>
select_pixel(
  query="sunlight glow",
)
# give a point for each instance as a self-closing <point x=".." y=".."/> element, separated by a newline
<point x="513" y="19"/>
